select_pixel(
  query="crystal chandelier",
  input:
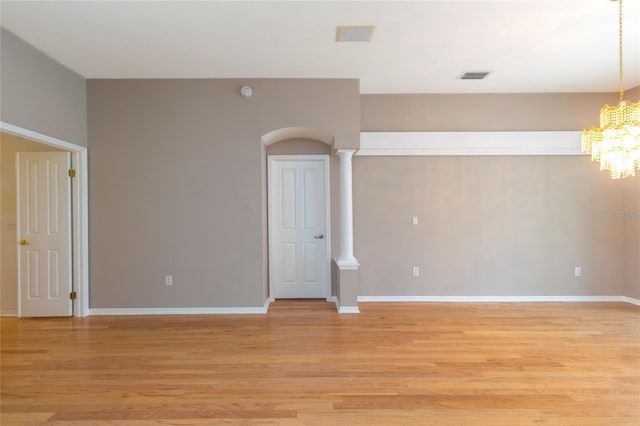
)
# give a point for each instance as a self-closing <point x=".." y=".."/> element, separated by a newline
<point x="616" y="143"/>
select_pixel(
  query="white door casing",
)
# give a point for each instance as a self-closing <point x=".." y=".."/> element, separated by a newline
<point x="299" y="225"/>
<point x="44" y="233"/>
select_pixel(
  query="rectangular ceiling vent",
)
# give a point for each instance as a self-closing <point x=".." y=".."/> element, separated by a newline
<point x="473" y="75"/>
<point x="351" y="33"/>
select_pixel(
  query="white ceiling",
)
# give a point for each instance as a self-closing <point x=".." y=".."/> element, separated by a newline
<point x="418" y="47"/>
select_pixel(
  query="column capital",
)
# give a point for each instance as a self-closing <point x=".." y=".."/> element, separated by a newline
<point x="348" y="153"/>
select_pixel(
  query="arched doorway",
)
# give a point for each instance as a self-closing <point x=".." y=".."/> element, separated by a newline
<point x="299" y="215"/>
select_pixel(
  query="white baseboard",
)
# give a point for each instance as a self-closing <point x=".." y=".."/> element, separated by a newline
<point x="631" y="300"/>
<point x="348" y="310"/>
<point x="9" y="313"/>
<point x="182" y="311"/>
<point x="494" y="299"/>
<point x="343" y="309"/>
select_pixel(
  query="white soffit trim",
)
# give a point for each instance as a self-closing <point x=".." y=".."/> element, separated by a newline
<point x="470" y="143"/>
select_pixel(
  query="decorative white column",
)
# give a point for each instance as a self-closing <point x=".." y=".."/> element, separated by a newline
<point x="346" y="260"/>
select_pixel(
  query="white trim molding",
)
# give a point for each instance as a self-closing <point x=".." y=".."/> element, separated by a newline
<point x="497" y="299"/>
<point x="39" y="137"/>
<point x="470" y="143"/>
<point x="631" y="300"/>
<point x="343" y="309"/>
<point x="9" y="313"/>
<point x="347" y="265"/>
<point x="348" y="309"/>
<point x="183" y="311"/>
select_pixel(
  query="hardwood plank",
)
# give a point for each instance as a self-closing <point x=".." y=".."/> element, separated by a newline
<point x="410" y="363"/>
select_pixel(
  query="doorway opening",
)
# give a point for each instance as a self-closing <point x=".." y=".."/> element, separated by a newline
<point x="299" y="227"/>
<point x="79" y="212"/>
<point x="298" y="142"/>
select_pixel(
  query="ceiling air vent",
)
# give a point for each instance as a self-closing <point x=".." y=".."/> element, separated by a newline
<point x="355" y="33"/>
<point x="473" y="75"/>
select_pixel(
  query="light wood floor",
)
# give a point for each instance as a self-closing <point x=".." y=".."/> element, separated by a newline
<point x="418" y="364"/>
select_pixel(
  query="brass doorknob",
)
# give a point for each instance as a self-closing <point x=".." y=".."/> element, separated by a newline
<point x="24" y="242"/>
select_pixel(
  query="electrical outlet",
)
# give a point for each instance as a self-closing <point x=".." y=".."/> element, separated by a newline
<point x="168" y="280"/>
<point x="414" y="220"/>
<point x="416" y="271"/>
<point x="577" y="271"/>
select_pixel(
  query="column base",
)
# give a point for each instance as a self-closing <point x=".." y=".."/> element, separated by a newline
<point x="347" y="263"/>
<point x="346" y="271"/>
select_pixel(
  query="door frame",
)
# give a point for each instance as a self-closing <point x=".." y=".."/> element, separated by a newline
<point x="79" y="212"/>
<point x="326" y="161"/>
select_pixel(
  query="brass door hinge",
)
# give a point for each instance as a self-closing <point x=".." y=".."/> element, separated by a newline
<point x="72" y="173"/>
<point x="73" y="295"/>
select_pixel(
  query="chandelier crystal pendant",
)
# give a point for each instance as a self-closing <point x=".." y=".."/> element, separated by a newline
<point x="616" y="143"/>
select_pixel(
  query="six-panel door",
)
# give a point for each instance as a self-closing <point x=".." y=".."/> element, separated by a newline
<point x="44" y="233"/>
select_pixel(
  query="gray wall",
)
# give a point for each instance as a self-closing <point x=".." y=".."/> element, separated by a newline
<point x="496" y="112"/>
<point x="177" y="173"/>
<point x="631" y="221"/>
<point x="39" y="94"/>
<point x="488" y="226"/>
<point x="177" y="187"/>
<point x="632" y="94"/>
<point x="495" y="225"/>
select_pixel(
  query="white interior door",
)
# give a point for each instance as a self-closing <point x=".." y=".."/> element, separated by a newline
<point x="299" y="256"/>
<point x="44" y="233"/>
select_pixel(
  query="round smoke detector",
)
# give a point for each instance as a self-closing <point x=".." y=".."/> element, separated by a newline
<point x="246" y="91"/>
